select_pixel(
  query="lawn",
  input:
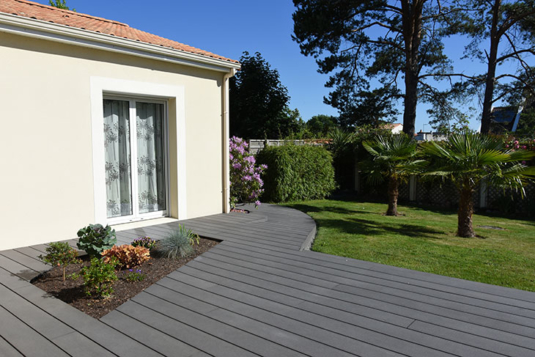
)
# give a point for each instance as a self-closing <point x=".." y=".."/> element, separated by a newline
<point x="424" y="240"/>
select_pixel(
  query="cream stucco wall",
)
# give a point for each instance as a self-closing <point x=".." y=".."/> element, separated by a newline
<point x="46" y="180"/>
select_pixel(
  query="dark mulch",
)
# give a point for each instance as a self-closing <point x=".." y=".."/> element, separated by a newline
<point x="72" y="291"/>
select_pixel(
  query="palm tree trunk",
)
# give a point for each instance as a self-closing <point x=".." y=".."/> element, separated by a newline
<point x="393" y="194"/>
<point x="464" y="215"/>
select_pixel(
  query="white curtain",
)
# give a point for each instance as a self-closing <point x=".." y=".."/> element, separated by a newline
<point x="150" y="157"/>
<point x="117" y="152"/>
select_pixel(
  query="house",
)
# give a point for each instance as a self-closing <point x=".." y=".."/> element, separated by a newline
<point x="505" y="119"/>
<point x="396" y="128"/>
<point x="104" y="123"/>
<point x="430" y="136"/>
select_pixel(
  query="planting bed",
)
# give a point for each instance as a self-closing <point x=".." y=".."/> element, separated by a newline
<point x="72" y="291"/>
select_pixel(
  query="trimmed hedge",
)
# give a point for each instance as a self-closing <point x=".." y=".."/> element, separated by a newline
<point x="296" y="172"/>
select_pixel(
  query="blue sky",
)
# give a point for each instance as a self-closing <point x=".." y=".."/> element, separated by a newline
<point x="230" y="27"/>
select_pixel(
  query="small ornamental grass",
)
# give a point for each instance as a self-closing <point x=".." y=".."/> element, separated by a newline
<point x="127" y="256"/>
<point x="60" y="254"/>
<point x="99" y="277"/>
<point x="178" y="244"/>
<point x="146" y="242"/>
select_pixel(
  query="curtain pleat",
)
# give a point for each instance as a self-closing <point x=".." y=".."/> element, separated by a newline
<point x="117" y="158"/>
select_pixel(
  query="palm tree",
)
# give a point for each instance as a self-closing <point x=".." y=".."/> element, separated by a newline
<point x="393" y="159"/>
<point x="469" y="158"/>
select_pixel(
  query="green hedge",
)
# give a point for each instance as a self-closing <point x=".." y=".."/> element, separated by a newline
<point x="296" y="172"/>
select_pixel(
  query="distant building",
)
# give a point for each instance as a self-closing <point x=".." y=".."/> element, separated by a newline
<point x="396" y="128"/>
<point x="430" y="136"/>
<point x="504" y="119"/>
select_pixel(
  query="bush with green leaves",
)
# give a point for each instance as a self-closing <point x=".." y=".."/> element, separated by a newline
<point x="178" y="244"/>
<point x="99" y="277"/>
<point x="95" y="239"/>
<point x="297" y="172"/>
<point x="60" y="254"/>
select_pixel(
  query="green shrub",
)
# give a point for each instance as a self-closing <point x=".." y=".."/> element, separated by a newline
<point x="95" y="239"/>
<point x="178" y="244"/>
<point x="99" y="277"/>
<point x="60" y="254"/>
<point x="297" y="172"/>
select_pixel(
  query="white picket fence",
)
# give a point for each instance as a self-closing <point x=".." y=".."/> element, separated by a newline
<point x="255" y="145"/>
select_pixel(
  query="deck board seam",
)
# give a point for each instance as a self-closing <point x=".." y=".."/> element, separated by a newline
<point x="437" y="314"/>
<point x="338" y="320"/>
<point x="257" y="262"/>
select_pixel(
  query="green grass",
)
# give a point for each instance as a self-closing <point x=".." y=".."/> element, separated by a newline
<point x="424" y="240"/>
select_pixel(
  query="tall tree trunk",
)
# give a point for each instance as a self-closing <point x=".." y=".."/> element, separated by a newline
<point x="490" y="79"/>
<point x="411" y="101"/>
<point x="466" y="209"/>
<point x="393" y="193"/>
<point x="412" y="34"/>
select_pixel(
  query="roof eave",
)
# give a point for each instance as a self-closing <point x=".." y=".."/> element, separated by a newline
<point x="61" y="33"/>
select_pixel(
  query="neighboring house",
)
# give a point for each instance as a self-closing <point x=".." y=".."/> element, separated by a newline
<point x="505" y="119"/>
<point x="103" y="123"/>
<point x="396" y="128"/>
<point x="430" y="136"/>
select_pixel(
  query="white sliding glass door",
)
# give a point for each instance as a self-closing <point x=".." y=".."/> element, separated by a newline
<point x="135" y="140"/>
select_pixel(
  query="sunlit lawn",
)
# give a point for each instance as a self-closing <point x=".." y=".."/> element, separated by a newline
<point x="424" y="239"/>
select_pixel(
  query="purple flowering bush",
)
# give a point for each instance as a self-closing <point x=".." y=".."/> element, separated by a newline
<point x="245" y="177"/>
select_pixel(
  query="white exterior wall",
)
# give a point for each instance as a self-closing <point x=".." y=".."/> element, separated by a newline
<point x="47" y="165"/>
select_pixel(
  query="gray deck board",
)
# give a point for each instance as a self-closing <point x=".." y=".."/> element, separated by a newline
<point x="7" y="350"/>
<point x="335" y="298"/>
<point x="156" y="339"/>
<point x="387" y="286"/>
<point x="257" y="294"/>
<point x="24" y="338"/>
<point x="169" y="321"/>
<point x="354" y="323"/>
<point x="281" y="315"/>
<point x="434" y="289"/>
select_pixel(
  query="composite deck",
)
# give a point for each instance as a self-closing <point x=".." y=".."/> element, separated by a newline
<point x="259" y="294"/>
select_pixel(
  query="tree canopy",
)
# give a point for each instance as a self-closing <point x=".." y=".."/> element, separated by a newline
<point x="394" y="45"/>
<point x="259" y="102"/>
<point x="60" y="4"/>
<point x="320" y="125"/>
<point x="500" y="31"/>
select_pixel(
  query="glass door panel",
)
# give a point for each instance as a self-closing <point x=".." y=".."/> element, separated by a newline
<point x="118" y="158"/>
<point x="151" y="176"/>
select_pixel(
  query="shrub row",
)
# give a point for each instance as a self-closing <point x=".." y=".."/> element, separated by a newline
<point x="297" y="172"/>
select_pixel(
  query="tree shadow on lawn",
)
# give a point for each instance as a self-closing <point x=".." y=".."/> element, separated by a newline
<point x="330" y="209"/>
<point x="371" y="228"/>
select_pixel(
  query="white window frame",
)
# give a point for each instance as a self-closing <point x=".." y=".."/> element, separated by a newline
<point x="110" y="88"/>
<point x="136" y="216"/>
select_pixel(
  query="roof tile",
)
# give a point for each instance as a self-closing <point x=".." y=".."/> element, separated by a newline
<point x="51" y="14"/>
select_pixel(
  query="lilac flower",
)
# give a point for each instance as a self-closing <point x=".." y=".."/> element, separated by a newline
<point x="245" y="176"/>
<point x="257" y="203"/>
